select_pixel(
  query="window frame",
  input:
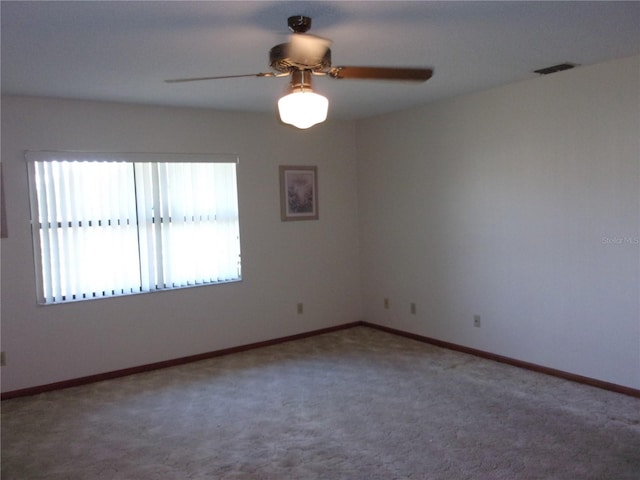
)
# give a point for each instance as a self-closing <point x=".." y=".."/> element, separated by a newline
<point x="33" y="156"/>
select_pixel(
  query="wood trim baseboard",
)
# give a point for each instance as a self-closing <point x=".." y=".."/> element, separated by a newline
<point x="76" y="382"/>
<point x="226" y="351"/>
<point x="510" y="361"/>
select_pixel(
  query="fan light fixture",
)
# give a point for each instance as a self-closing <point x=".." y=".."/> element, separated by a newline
<point x="302" y="107"/>
<point x="303" y="56"/>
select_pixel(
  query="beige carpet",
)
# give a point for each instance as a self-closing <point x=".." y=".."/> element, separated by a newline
<point x="353" y="404"/>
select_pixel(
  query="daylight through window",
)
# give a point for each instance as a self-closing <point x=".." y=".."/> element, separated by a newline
<point x="116" y="224"/>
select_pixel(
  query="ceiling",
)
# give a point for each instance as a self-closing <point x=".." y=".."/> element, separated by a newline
<point x="122" y="51"/>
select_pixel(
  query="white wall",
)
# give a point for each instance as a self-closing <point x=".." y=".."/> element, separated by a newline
<point x="315" y="262"/>
<point x="519" y="204"/>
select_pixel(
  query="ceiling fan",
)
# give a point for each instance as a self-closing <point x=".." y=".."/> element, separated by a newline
<point x="305" y="56"/>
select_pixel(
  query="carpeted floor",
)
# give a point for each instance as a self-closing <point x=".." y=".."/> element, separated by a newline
<point x="353" y="404"/>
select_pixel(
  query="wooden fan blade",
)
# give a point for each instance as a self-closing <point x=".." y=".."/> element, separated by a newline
<point x="382" y="73"/>
<point x="197" y="79"/>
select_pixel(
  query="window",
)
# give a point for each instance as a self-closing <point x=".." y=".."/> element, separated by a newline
<point x="117" y="224"/>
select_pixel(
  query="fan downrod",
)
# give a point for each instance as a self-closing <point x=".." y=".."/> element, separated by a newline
<point x="299" y="24"/>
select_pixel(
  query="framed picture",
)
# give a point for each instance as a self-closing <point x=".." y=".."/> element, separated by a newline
<point x="4" y="233"/>
<point x="298" y="193"/>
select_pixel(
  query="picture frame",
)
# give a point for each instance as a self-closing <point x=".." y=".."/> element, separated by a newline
<point x="298" y="193"/>
<point x="4" y="232"/>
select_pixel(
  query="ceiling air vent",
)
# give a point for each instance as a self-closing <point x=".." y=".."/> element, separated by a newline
<point x="555" y="68"/>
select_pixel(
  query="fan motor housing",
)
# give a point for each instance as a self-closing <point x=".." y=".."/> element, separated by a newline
<point x="280" y="62"/>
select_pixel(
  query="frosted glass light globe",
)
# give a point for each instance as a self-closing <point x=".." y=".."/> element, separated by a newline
<point x="303" y="109"/>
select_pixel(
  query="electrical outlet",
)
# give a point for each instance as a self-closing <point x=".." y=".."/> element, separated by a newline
<point x="3" y="359"/>
<point x="300" y="309"/>
<point x="386" y="304"/>
<point x="476" y="321"/>
<point x="413" y="308"/>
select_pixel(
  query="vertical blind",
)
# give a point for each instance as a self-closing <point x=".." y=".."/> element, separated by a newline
<point x="115" y="224"/>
